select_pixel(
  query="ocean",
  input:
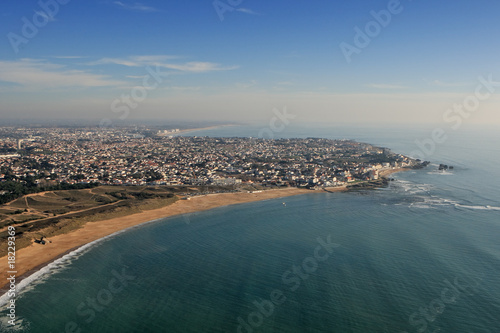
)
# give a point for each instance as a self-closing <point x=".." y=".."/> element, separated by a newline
<point x="422" y="255"/>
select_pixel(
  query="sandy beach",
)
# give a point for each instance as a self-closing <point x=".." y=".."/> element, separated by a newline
<point x="34" y="257"/>
<point x="387" y="172"/>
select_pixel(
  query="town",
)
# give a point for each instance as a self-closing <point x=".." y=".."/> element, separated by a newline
<point x="127" y="156"/>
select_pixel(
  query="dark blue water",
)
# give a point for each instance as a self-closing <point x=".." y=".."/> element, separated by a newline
<point x="420" y="256"/>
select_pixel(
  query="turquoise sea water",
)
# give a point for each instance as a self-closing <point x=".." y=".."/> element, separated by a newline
<point x="419" y="256"/>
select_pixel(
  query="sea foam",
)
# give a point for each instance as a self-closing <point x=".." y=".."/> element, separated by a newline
<point x="486" y="207"/>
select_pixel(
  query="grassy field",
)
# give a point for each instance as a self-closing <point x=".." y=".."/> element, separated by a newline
<point x="51" y="213"/>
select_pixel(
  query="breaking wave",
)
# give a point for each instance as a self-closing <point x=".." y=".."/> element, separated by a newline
<point x="486" y="207"/>
<point x="419" y="196"/>
<point x="58" y="265"/>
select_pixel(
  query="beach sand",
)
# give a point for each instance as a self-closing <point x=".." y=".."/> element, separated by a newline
<point x="387" y="172"/>
<point x="35" y="256"/>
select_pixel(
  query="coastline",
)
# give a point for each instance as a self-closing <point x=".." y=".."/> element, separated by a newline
<point x="386" y="172"/>
<point x="188" y="130"/>
<point x="34" y="257"/>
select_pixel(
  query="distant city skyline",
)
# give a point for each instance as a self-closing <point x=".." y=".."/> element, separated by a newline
<point x="330" y="62"/>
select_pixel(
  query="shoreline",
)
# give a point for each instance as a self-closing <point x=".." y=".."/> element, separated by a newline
<point x="188" y="130"/>
<point x="386" y="172"/>
<point x="31" y="259"/>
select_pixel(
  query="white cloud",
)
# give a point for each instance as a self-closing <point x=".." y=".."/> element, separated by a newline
<point x="161" y="61"/>
<point x="153" y="58"/>
<point x="137" y="6"/>
<point x="386" y="86"/>
<point x="68" y="57"/>
<point x="247" y="11"/>
<point x="197" y="66"/>
<point x="42" y="74"/>
<point x="449" y="84"/>
<point x="116" y="61"/>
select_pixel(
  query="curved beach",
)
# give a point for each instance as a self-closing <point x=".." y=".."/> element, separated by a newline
<point x="36" y="256"/>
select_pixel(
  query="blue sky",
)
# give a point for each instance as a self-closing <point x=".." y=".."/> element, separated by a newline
<point x="262" y="55"/>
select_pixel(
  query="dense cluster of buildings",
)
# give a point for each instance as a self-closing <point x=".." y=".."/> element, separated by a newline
<point x="115" y="156"/>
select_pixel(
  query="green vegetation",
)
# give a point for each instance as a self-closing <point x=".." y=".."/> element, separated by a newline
<point x="370" y="184"/>
<point x="57" y="212"/>
<point x="27" y="185"/>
